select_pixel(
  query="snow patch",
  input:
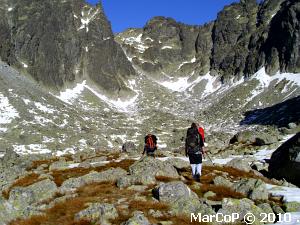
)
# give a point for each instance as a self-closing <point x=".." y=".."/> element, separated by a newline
<point x="120" y="105"/>
<point x="64" y="152"/>
<point x="69" y="94"/>
<point x="7" y="111"/>
<point x="290" y="194"/>
<point x="167" y="47"/>
<point x="86" y="20"/>
<point x="266" y="79"/>
<point x="31" y="149"/>
<point x="26" y="101"/>
<point x="24" y="65"/>
<point x="44" y="108"/>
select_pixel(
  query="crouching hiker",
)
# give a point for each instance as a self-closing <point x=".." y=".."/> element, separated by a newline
<point x="150" y="145"/>
<point x="194" y="149"/>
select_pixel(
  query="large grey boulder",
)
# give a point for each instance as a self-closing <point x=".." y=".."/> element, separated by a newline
<point x="173" y="191"/>
<point x="129" y="147"/>
<point x="98" y="213"/>
<point x="178" y="163"/>
<point x="72" y="184"/>
<point x="255" y="189"/>
<point x="285" y="161"/>
<point x="127" y="181"/>
<point x="221" y="181"/>
<point x="240" y="164"/>
<point x="37" y="192"/>
<point x="241" y="207"/>
<point x="254" y="137"/>
<point x="24" y="201"/>
<point x="153" y="167"/>
<point x="182" y="200"/>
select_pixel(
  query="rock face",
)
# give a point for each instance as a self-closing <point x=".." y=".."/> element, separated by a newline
<point x="61" y="42"/>
<point x="242" y="39"/>
<point x="108" y="175"/>
<point x="285" y="161"/>
<point x="98" y="213"/>
<point x="153" y="167"/>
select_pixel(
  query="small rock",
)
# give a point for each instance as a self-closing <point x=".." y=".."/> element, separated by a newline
<point x="137" y="219"/>
<point x="98" y="213"/>
<point x="209" y="194"/>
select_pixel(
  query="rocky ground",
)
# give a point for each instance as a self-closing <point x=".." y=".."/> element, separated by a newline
<point x="99" y="187"/>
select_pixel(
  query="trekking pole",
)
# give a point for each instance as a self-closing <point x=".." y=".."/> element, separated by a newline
<point x="210" y="159"/>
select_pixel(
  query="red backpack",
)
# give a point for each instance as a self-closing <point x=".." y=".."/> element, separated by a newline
<point x="201" y="132"/>
<point x="149" y="141"/>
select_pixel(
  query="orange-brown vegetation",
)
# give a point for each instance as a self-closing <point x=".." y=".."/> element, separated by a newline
<point x="23" y="182"/>
<point x="61" y="175"/>
<point x="37" y="163"/>
<point x="166" y="179"/>
<point x="63" y="213"/>
<point x="220" y="191"/>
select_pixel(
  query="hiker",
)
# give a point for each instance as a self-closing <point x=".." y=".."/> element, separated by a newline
<point x="194" y="150"/>
<point x="150" y="145"/>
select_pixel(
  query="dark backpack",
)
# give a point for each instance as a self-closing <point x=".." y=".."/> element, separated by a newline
<point x="193" y="140"/>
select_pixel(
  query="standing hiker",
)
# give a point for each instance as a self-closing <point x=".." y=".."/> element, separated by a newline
<point x="150" y="145"/>
<point x="194" y="149"/>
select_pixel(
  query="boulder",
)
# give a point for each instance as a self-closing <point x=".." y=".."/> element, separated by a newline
<point x="37" y="192"/>
<point x="178" y="163"/>
<point x="98" y="213"/>
<point x="242" y="207"/>
<point x="221" y="181"/>
<point x="72" y="184"/>
<point x="137" y="219"/>
<point x="153" y="167"/>
<point x="129" y="147"/>
<point x="240" y="164"/>
<point x="285" y="161"/>
<point x="130" y="180"/>
<point x="291" y="206"/>
<point x="254" y="138"/>
<point x="173" y="191"/>
<point x="266" y="207"/>
<point x="254" y="189"/>
<point x="59" y="165"/>
<point x="181" y="199"/>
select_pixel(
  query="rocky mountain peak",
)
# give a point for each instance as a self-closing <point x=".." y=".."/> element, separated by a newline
<point x="61" y="42"/>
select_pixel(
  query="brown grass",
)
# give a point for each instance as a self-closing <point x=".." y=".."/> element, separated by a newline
<point x="23" y="182"/>
<point x="61" y="175"/>
<point x="63" y="213"/>
<point x="236" y="174"/>
<point x="147" y="205"/>
<point x="166" y="179"/>
<point x="37" y="163"/>
<point x="220" y="191"/>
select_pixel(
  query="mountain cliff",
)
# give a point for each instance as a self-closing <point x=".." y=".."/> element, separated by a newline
<point x="59" y="43"/>
<point x="245" y="37"/>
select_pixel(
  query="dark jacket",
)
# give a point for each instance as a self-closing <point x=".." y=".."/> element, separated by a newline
<point x="196" y="156"/>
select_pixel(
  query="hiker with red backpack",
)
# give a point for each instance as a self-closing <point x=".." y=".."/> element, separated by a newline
<point x="150" y="145"/>
<point x="194" y="149"/>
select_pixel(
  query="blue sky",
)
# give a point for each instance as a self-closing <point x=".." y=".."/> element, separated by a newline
<point x="125" y="14"/>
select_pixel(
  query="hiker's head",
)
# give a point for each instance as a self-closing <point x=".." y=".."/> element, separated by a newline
<point x="194" y="125"/>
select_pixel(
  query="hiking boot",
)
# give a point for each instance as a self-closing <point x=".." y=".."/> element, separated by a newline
<point x="197" y="177"/>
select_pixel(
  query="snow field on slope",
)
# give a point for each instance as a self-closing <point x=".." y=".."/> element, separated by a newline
<point x="7" y="112"/>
